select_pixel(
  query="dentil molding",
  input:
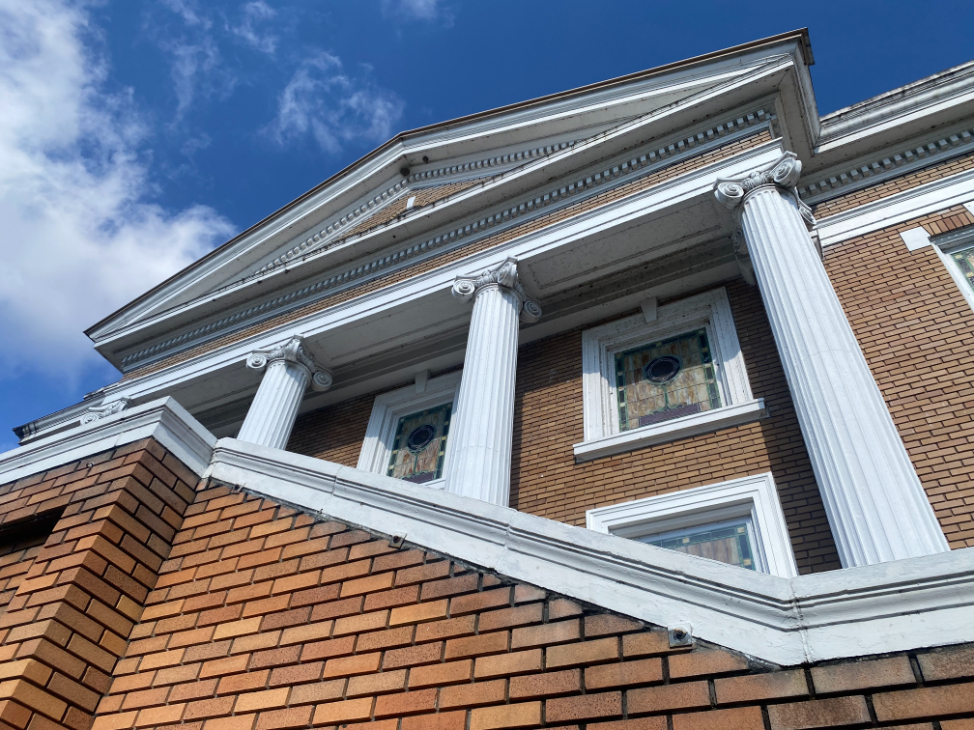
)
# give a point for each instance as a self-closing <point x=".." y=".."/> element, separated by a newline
<point x="638" y="164"/>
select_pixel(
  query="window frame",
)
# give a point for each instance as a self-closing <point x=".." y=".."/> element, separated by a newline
<point x="945" y="245"/>
<point x="709" y="311"/>
<point x="389" y="407"/>
<point x="754" y="497"/>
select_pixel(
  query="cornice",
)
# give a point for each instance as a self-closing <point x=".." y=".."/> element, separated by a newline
<point x="453" y="171"/>
<point x="633" y="166"/>
<point x="330" y="234"/>
<point x="747" y="73"/>
<point x="944" y="86"/>
<point x="871" y="170"/>
<point x="372" y="205"/>
<point x="163" y="420"/>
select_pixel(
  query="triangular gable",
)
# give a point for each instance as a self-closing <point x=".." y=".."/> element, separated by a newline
<point x="432" y="166"/>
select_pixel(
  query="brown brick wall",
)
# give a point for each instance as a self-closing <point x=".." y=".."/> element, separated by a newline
<point x="72" y="610"/>
<point x="423" y="198"/>
<point x="268" y="618"/>
<point x="530" y="226"/>
<point x="334" y="433"/>
<point x="548" y="419"/>
<point x="915" y="329"/>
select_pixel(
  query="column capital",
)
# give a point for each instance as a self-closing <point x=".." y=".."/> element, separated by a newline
<point x="782" y="175"/>
<point x="505" y="276"/>
<point x="292" y="352"/>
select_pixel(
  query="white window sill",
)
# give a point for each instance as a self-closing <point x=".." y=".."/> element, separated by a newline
<point x="678" y="428"/>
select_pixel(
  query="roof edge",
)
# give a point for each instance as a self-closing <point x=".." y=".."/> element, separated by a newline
<point x="800" y="34"/>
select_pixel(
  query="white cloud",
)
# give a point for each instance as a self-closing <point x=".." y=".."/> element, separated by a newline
<point x="324" y="101"/>
<point x="191" y="63"/>
<point x="187" y="11"/>
<point x="428" y="10"/>
<point x="196" y="65"/>
<point x="255" y="13"/>
<point x="79" y="232"/>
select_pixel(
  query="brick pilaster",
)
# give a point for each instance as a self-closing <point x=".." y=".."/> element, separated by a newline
<point x="74" y="609"/>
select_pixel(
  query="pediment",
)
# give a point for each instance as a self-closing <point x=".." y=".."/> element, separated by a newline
<point x="430" y="177"/>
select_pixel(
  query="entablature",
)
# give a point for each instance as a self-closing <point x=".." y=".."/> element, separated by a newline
<point x="669" y="237"/>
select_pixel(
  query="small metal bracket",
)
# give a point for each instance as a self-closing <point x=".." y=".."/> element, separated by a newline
<point x="681" y="635"/>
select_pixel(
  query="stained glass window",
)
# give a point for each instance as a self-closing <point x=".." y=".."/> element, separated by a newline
<point x="964" y="258"/>
<point x="665" y="379"/>
<point x="727" y="542"/>
<point x="420" y="445"/>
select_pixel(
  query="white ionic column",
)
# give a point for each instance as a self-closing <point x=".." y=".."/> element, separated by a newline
<point x="874" y="500"/>
<point x="288" y="370"/>
<point x="482" y="425"/>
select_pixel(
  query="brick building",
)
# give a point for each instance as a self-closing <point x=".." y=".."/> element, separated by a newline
<point x="643" y="406"/>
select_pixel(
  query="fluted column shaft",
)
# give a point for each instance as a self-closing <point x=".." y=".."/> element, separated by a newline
<point x="482" y="425"/>
<point x="288" y="370"/>
<point x="876" y="505"/>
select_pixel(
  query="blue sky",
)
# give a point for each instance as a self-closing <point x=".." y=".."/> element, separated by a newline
<point x="136" y="135"/>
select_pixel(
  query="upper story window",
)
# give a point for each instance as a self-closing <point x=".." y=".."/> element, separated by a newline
<point x="674" y="372"/>
<point x="963" y="259"/>
<point x="409" y="431"/>
<point x="665" y="379"/>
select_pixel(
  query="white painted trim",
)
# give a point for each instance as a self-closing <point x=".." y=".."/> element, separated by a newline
<point x="677" y="428"/>
<point x="898" y="606"/>
<point x="915" y="238"/>
<point x="943" y="253"/>
<point x="710" y="310"/>
<point x="970" y="207"/>
<point x="479" y="223"/>
<point x="874" y="168"/>
<point x="388" y="408"/>
<point x="753" y="496"/>
<point x="886" y="212"/>
<point x="163" y="420"/>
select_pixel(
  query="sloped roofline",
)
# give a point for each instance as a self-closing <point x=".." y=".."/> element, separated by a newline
<point x="800" y="35"/>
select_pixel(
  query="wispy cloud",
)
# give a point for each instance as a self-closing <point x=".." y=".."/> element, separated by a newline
<point x="335" y="108"/>
<point x="193" y="65"/>
<point x="188" y="11"/>
<point x="249" y="29"/>
<point x="198" y="67"/>
<point x="81" y="232"/>
<point x="426" y="10"/>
